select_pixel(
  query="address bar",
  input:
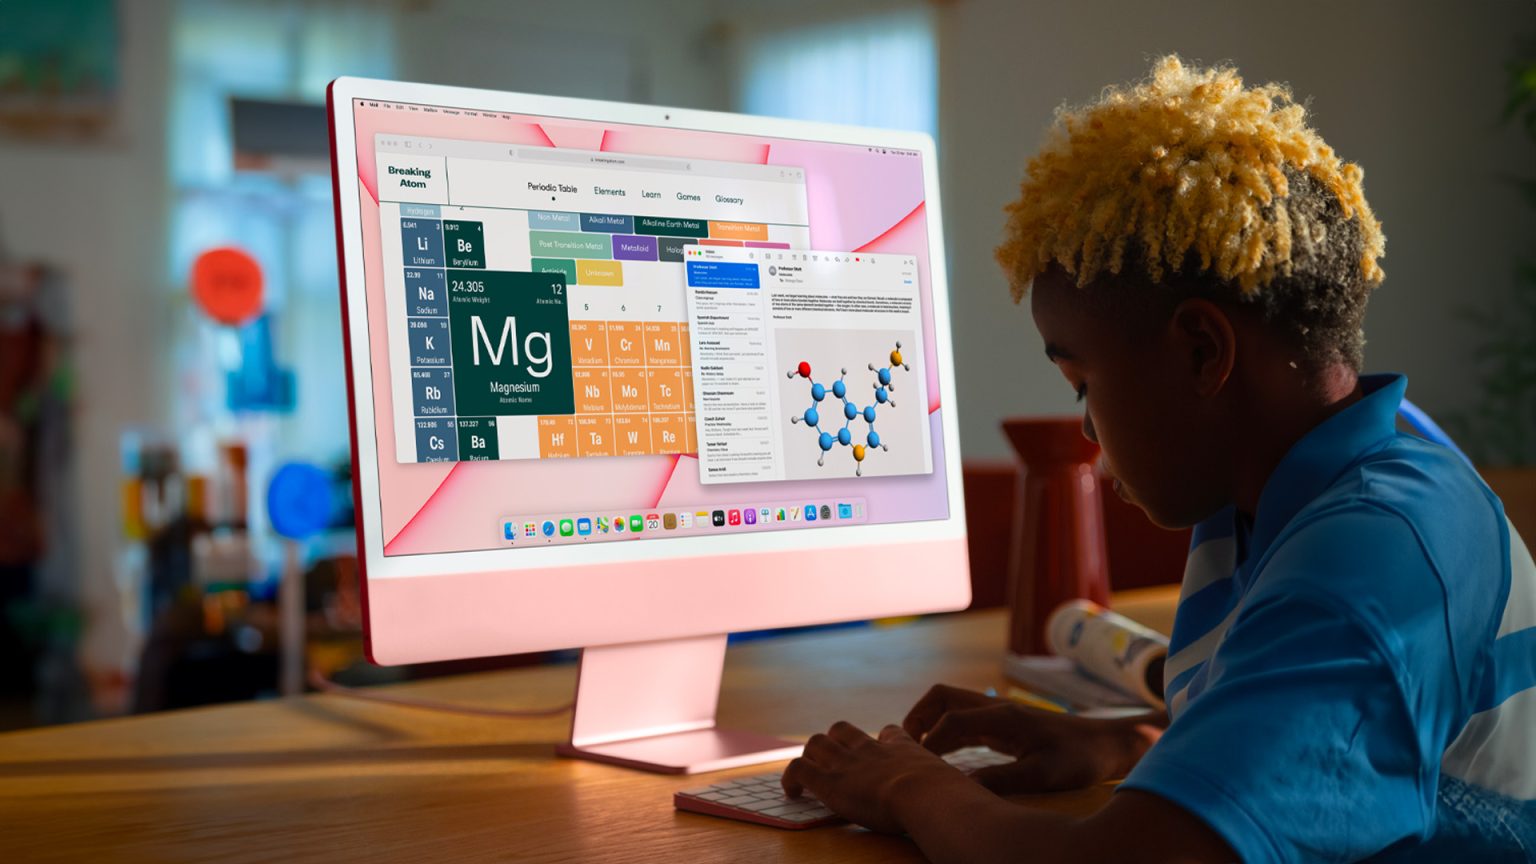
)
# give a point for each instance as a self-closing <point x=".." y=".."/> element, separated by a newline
<point x="544" y="154"/>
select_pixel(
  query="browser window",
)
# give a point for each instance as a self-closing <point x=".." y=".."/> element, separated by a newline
<point x="535" y="296"/>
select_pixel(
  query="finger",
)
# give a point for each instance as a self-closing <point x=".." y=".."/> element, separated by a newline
<point x="847" y="734"/>
<point x="822" y="747"/>
<point x="968" y="729"/>
<point x="892" y="733"/>
<point x="938" y="701"/>
<point x="800" y="775"/>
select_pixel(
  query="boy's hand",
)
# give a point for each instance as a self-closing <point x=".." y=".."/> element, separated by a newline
<point x="1054" y="751"/>
<point x="865" y="780"/>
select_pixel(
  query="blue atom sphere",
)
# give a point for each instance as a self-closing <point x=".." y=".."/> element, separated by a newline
<point x="885" y="375"/>
<point x="825" y="441"/>
<point x="869" y="414"/>
<point x="850" y="410"/>
<point x="874" y="438"/>
<point x="818" y="392"/>
<point x="844" y="436"/>
<point x="839" y="389"/>
<point x="812" y="417"/>
<point x="881" y="395"/>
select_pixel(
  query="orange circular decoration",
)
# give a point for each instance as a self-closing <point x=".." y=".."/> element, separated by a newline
<point x="227" y="283"/>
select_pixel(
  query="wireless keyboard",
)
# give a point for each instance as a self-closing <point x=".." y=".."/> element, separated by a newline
<point x="760" y="797"/>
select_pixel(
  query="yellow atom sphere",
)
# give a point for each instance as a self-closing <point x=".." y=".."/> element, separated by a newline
<point x="858" y="452"/>
<point x="895" y="358"/>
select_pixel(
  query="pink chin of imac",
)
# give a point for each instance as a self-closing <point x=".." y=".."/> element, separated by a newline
<point x="646" y="699"/>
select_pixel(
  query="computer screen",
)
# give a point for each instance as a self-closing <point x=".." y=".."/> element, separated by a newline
<point x="591" y="332"/>
<point x="631" y="378"/>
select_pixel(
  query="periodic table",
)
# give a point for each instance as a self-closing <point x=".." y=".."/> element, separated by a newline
<point x="618" y="382"/>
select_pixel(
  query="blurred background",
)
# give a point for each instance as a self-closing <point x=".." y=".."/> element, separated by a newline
<point x="161" y="453"/>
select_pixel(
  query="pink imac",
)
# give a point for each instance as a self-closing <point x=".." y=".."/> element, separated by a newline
<point x="630" y="378"/>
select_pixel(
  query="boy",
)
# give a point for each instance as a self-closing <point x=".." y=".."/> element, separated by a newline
<point x="1353" y="664"/>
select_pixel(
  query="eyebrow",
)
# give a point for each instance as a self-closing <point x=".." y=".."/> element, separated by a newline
<point x="1054" y="352"/>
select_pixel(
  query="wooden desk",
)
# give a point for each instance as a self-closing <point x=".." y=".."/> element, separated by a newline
<point x="329" y="778"/>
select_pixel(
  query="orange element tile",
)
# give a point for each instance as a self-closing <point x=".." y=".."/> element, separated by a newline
<point x="665" y="388"/>
<point x="628" y="387"/>
<point x="594" y="436"/>
<point x="687" y="376"/>
<point x="684" y="348"/>
<point x="589" y="343"/>
<point x="693" y="435"/>
<point x="738" y="230"/>
<point x="632" y="434"/>
<point x="625" y="345"/>
<point x="668" y="434"/>
<point x="593" y="395"/>
<point x="706" y="241"/>
<point x="660" y="343"/>
<point x="557" y="437"/>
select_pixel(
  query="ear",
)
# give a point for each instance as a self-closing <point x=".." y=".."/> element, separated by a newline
<point x="1203" y="333"/>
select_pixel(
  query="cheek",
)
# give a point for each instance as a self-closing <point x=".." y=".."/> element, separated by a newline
<point x="1133" y="433"/>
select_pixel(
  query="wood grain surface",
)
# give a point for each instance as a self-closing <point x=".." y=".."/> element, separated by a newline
<point x="329" y="778"/>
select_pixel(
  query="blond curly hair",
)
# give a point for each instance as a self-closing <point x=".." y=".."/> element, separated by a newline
<point x="1190" y="173"/>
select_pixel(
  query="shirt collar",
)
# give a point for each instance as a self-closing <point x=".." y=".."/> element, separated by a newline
<point x="1314" y="462"/>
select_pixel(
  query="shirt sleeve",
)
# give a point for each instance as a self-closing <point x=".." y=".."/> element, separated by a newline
<point x="1300" y="747"/>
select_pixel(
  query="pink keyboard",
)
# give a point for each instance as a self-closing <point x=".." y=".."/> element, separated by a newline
<point x="760" y="797"/>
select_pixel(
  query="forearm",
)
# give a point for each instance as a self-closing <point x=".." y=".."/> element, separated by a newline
<point x="953" y="818"/>
<point x="956" y="820"/>
<point x="1118" y="744"/>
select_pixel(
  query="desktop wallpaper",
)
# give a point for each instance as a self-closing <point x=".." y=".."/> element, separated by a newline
<point x="858" y="200"/>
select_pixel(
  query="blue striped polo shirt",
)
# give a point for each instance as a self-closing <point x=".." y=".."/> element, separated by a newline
<point x="1352" y="673"/>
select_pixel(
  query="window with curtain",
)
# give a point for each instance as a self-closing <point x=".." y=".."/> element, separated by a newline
<point x="879" y="70"/>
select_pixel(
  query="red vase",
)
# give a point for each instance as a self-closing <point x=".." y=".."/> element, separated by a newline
<point x="1058" y="548"/>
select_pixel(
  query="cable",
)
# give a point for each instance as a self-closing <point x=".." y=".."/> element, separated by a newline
<point x="320" y="682"/>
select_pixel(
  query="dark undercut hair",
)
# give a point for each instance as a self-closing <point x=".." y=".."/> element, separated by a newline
<point x="1316" y="304"/>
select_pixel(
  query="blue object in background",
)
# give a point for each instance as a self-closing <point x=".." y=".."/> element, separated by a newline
<point x="259" y="384"/>
<point x="299" y="500"/>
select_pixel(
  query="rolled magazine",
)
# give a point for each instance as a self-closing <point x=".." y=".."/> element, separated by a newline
<point x="1110" y="648"/>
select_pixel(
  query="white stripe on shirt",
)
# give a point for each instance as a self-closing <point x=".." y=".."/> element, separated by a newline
<point x="1207" y="564"/>
<point x="1497" y="748"/>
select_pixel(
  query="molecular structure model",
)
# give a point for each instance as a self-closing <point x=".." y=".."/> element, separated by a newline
<point x="851" y="412"/>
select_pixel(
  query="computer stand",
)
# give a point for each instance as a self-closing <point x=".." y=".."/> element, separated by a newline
<point x="651" y="705"/>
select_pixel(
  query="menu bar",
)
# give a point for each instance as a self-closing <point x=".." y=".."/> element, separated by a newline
<point x="492" y="150"/>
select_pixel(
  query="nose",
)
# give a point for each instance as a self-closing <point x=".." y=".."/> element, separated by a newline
<point x="1088" y="428"/>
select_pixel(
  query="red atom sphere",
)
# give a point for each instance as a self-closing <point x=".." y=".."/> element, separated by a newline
<point x="804" y="370"/>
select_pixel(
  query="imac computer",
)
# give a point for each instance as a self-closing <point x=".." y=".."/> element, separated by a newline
<point x="630" y="378"/>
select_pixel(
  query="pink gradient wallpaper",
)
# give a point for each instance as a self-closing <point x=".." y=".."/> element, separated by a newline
<point x="858" y="202"/>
